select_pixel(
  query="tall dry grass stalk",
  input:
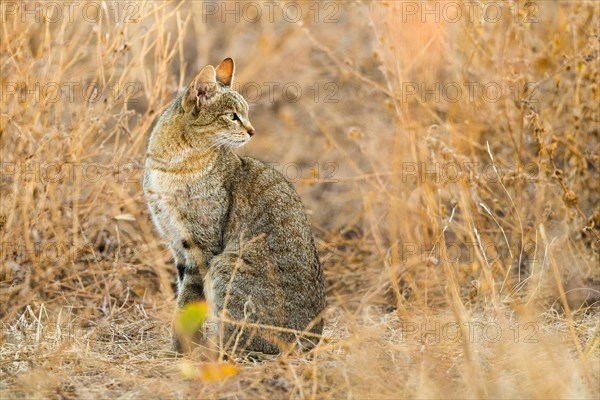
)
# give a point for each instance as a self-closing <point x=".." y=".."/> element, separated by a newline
<point x="458" y="224"/>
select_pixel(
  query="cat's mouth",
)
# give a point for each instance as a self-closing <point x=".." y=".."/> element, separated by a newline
<point x="239" y="143"/>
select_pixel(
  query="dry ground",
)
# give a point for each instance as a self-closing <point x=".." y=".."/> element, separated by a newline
<point x="450" y="163"/>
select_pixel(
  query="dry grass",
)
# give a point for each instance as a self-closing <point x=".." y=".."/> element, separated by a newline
<point x="87" y="287"/>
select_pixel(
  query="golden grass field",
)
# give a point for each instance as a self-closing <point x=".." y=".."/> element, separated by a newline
<point x="448" y="154"/>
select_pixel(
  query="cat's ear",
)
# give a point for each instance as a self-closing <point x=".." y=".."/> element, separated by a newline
<point x="225" y="71"/>
<point x="203" y="87"/>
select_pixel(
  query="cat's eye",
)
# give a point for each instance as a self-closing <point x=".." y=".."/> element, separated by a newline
<point x="232" y="116"/>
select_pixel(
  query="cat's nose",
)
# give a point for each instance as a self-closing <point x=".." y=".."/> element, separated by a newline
<point x="250" y="130"/>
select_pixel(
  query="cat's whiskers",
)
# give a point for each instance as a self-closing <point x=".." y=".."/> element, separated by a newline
<point x="228" y="141"/>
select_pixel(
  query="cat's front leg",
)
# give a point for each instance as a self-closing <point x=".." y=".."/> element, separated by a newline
<point x="191" y="286"/>
<point x="190" y="289"/>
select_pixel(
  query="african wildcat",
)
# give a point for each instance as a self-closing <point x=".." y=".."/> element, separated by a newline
<point x="236" y="227"/>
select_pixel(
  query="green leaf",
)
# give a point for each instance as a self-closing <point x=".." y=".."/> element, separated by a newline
<point x="191" y="318"/>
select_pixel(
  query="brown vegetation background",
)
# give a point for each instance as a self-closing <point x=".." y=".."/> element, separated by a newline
<point x="447" y="153"/>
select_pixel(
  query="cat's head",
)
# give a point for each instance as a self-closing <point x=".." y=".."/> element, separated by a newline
<point x="213" y="113"/>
